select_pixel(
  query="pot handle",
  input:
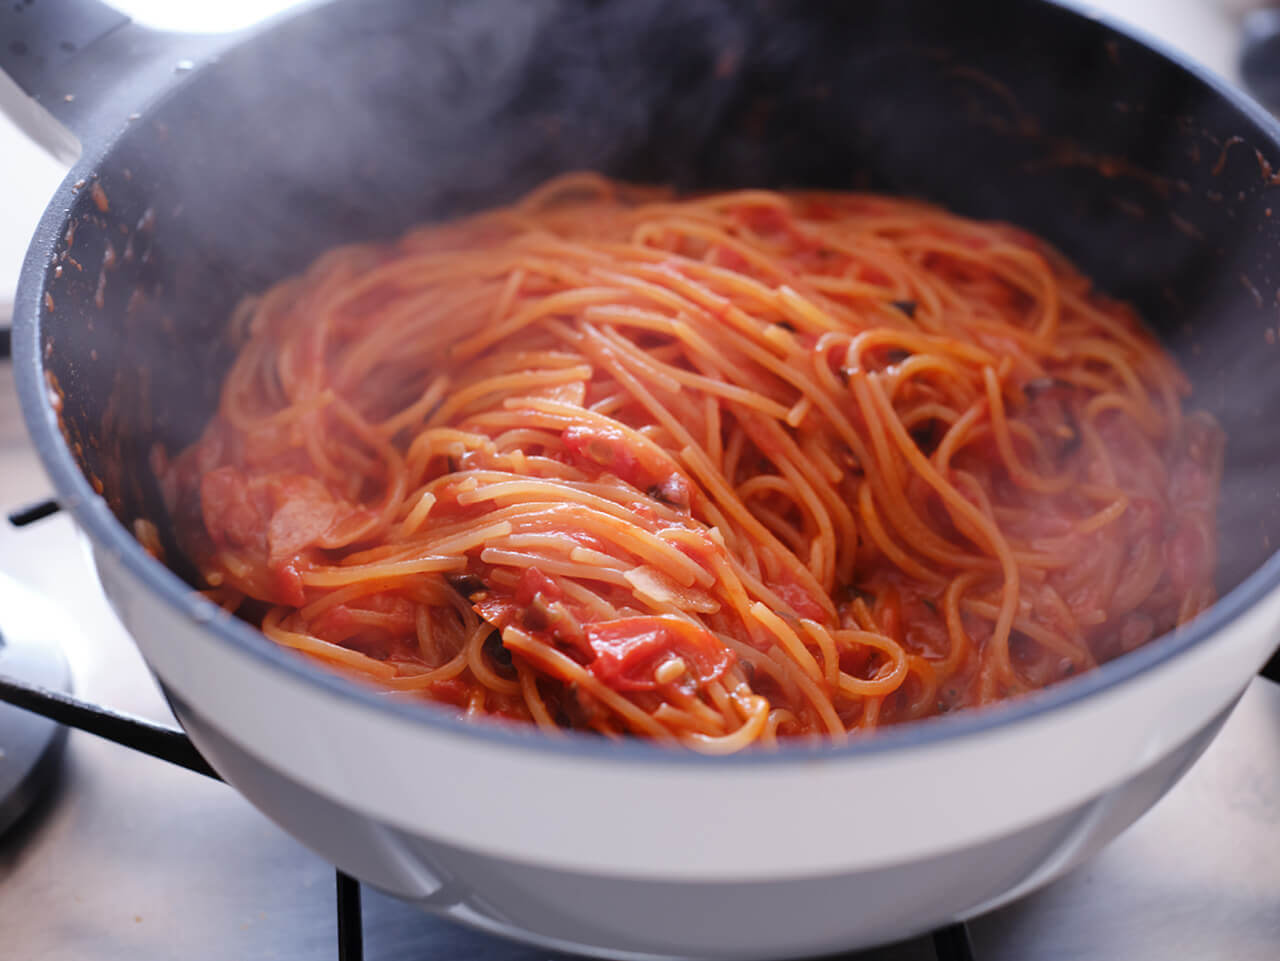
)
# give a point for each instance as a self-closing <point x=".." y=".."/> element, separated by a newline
<point x="41" y="38"/>
<point x="73" y="69"/>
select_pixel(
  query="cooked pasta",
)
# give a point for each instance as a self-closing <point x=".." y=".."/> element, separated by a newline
<point x="718" y="471"/>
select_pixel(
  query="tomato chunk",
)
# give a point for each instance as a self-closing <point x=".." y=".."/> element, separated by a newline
<point x="628" y="651"/>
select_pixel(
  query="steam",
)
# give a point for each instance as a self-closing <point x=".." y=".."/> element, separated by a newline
<point x="360" y="119"/>
<point x="356" y="120"/>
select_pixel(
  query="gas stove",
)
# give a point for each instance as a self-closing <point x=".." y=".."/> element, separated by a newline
<point x="116" y="854"/>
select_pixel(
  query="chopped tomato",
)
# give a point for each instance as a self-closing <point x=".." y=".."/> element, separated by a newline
<point x="818" y="210"/>
<point x="303" y="512"/>
<point x="605" y="447"/>
<point x="453" y="691"/>
<point x="532" y="583"/>
<point x="285" y="581"/>
<point x="500" y="610"/>
<point x="274" y="522"/>
<point x="640" y="466"/>
<point x="764" y="220"/>
<point x="629" y="650"/>
<point x="232" y="515"/>
<point x="800" y="600"/>
<point x="731" y="259"/>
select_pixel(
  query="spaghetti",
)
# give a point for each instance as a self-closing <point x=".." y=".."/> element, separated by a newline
<point x="715" y="471"/>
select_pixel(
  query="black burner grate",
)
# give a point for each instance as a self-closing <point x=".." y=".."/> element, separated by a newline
<point x="22" y="516"/>
<point x="350" y="930"/>
<point x="952" y="943"/>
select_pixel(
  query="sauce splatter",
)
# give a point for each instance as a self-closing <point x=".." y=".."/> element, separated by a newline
<point x="1222" y="157"/>
<point x="1248" y="285"/>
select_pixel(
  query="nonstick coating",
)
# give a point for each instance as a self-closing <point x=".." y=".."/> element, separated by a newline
<point x="357" y="120"/>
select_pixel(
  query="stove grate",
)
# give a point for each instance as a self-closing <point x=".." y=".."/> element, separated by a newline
<point x="22" y="516"/>
<point x="350" y="928"/>
<point x="952" y="943"/>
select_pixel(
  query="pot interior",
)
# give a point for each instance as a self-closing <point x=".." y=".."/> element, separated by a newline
<point x="355" y="121"/>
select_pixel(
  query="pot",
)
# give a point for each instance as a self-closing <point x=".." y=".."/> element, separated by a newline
<point x="213" y="166"/>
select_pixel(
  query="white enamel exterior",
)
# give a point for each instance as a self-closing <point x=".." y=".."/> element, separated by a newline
<point x="681" y="821"/>
<point x="666" y="856"/>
